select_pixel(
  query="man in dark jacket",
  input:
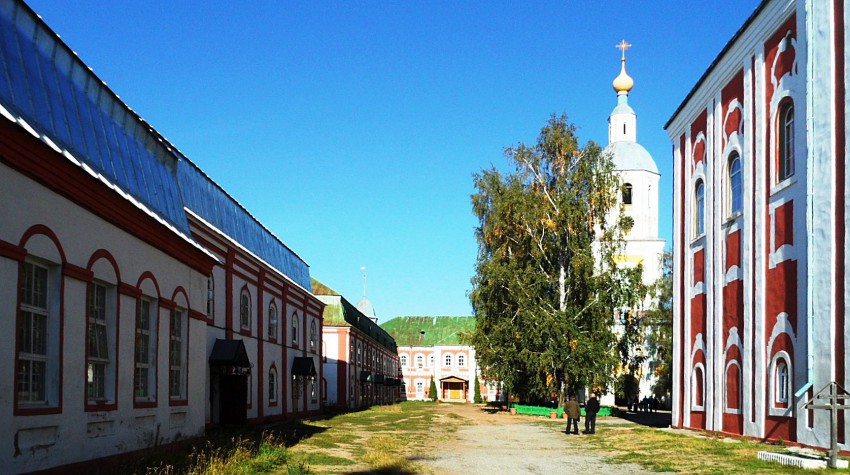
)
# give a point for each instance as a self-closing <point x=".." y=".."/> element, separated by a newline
<point x="573" y="414"/>
<point x="590" y="410"/>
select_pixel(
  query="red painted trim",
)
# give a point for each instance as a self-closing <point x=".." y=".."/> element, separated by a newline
<point x="77" y="272"/>
<point x="104" y="254"/>
<point x="196" y="315"/>
<point x="167" y="304"/>
<point x="228" y="294"/>
<point x="181" y="291"/>
<point x="129" y="290"/>
<point x="11" y="251"/>
<point x="34" y="159"/>
<point x="260" y="352"/>
<point x="840" y="223"/>
<point x="40" y="229"/>
<point x="149" y="275"/>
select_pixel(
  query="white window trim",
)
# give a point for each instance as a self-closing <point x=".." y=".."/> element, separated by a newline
<point x="699" y="368"/>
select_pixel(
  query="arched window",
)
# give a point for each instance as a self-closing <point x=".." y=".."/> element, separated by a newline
<point x="733" y="387"/>
<point x="144" y="377"/>
<point x="403" y="359"/>
<point x="313" y="335"/>
<point x="627" y="194"/>
<point x="272" y="320"/>
<point x="781" y="381"/>
<point x="177" y="334"/>
<point x="295" y="328"/>
<point x="785" y="165"/>
<point x="460" y="360"/>
<point x="699" y="211"/>
<point x="420" y="361"/>
<point x="697" y="388"/>
<point x="273" y="384"/>
<point x="736" y="200"/>
<point x="448" y="360"/>
<point x="102" y="326"/>
<point x="245" y="309"/>
<point x="210" y="296"/>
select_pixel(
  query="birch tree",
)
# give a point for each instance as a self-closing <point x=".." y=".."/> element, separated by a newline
<point x="547" y="286"/>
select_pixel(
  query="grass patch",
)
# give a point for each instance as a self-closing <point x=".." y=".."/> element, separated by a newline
<point x="664" y="451"/>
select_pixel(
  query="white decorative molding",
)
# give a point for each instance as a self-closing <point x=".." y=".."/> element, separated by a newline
<point x="733" y="273"/>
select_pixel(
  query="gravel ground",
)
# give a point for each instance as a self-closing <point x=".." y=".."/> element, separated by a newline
<point x="501" y="443"/>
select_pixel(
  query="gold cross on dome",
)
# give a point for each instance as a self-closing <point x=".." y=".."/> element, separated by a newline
<point x="623" y="46"/>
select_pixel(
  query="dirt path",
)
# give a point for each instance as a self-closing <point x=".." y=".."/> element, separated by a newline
<point x="488" y="443"/>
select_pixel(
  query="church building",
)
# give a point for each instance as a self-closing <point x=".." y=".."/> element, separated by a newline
<point x="639" y="180"/>
<point x="760" y="208"/>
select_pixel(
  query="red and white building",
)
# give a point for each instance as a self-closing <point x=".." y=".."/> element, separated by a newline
<point x="140" y="302"/>
<point x="760" y="289"/>
<point x="360" y="363"/>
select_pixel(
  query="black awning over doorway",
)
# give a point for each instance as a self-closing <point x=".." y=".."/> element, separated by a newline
<point x="365" y="376"/>
<point x="229" y="353"/>
<point x="379" y="379"/>
<point x="303" y="366"/>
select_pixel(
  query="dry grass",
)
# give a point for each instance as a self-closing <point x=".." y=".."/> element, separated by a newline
<point x="665" y="451"/>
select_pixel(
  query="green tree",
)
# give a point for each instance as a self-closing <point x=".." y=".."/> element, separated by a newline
<point x="476" y="398"/>
<point x="660" y="321"/>
<point x="547" y="287"/>
<point x="432" y="391"/>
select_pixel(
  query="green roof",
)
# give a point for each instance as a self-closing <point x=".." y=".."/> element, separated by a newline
<point x="429" y="331"/>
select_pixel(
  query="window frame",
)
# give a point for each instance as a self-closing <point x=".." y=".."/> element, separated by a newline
<point x="273" y="382"/>
<point x="272" y="325"/>
<point x="313" y="336"/>
<point x="699" y="208"/>
<point x="245" y="309"/>
<point x="785" y="140"/>
<point x="448" y="360"/>
<point x="177" y="339"/>
<point x="735" y="186"/>
<point x="148" y="369"/>
<point x="627" y="193"/>
<point x="41" y="311"/>
<point x="101" y="314"/>
<point x="294" y="327"/>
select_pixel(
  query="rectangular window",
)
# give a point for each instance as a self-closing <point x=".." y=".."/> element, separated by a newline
<point x="175" y="355"/>
<point x="98" y="357"/>
<point x="32" y="339"/>
<point x="144" y="361"/>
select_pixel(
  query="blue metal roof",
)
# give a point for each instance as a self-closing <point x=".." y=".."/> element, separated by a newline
<point x="45" y="83"/>
<point x="209" y="201"/>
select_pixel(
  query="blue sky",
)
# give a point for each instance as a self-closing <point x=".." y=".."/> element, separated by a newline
<point x="352" y="129"/>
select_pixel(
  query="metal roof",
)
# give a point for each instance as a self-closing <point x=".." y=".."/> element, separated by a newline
<point x="429" y="331"/>
<point x="716" y="61"/>
<point x="45" y="83"/>
<point x="48" y="89"/>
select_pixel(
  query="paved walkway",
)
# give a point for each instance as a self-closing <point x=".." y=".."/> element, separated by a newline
<point x="497" y="442"/>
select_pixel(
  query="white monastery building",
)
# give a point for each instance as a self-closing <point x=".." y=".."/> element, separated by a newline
<point x="431" y="347"/>
<point x="639" y="179"/>
<point x="760" y="171"/>
<point x="141" y="302"/>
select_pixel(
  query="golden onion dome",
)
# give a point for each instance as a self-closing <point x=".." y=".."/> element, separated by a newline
<point x="623" y="82"/>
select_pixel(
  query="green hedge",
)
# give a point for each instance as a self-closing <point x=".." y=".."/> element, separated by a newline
<point x="544" y="411"/>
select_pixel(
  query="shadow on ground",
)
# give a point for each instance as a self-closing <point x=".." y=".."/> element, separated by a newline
<point x="649" y="419"/>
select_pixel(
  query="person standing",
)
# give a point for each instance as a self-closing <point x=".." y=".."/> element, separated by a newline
<point x="590" y="410"/>
<point x="573" y="411"/>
